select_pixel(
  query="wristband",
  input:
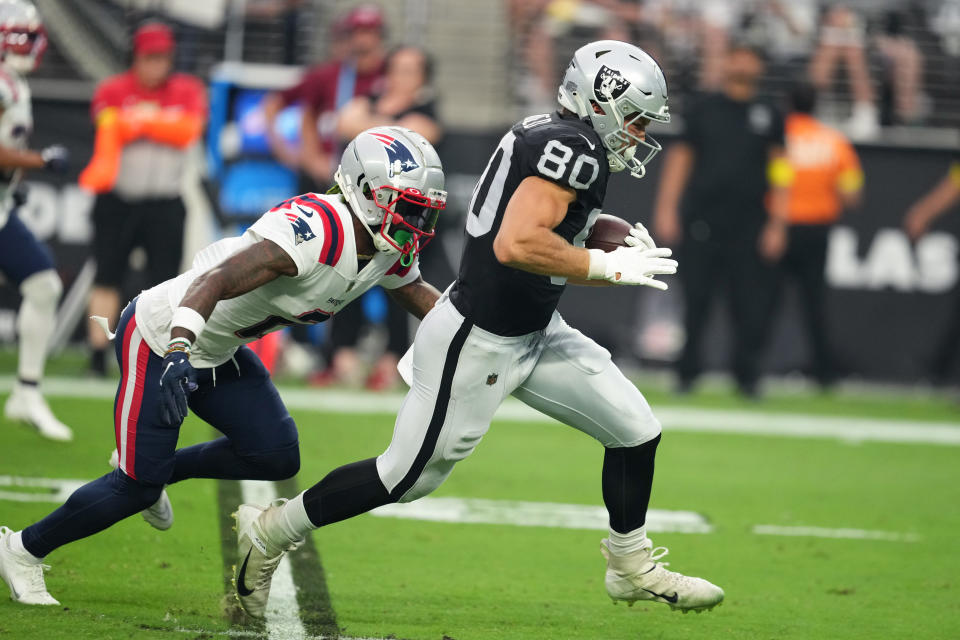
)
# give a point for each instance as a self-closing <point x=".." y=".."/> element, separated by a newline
<point x="178" y="344"/>
<point x="598" y="265"/>
<point x="188" y="319"/>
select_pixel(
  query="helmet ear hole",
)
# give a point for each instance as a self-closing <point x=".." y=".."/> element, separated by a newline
<point x="597" y="109"/>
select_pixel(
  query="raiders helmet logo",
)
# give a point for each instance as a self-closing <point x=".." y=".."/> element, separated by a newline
<point x="609" y="84"/>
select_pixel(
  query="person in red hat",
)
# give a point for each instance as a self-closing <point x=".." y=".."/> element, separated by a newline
<point x="146" y="119"/>
<point x="326" y="88"/>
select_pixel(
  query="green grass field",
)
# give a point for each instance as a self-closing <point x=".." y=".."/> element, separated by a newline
<point x="397" y="578"/>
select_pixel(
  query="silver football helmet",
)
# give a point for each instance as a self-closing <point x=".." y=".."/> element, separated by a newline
<point x="22" y="36"/>
<point x="614" y="84"/>
<point x="393" y="181"/>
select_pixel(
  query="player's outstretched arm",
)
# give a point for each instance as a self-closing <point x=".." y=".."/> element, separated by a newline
<point x="242" y="272"/>
<point x="418" y="297"/>
<point x="526" y="239"/>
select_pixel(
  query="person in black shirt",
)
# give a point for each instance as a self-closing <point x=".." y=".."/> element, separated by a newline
<point x="731" y="224"/>
<point x="496" y="332"/>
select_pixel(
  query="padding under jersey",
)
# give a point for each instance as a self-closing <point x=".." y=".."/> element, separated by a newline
<point x="559" y="148"/>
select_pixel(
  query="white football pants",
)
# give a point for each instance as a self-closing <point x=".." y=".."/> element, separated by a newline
<point x="459" y="374"/>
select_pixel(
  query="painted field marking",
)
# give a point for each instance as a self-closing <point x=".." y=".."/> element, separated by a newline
<point x="582" y="516"/>
<point x="57" y="489"/>
<point x="673" y="418"/>
<point x="283" y="613"/>
<point x="823" y="532"/>
<point x="534" y="514"/>
<point x="243" y="633"/>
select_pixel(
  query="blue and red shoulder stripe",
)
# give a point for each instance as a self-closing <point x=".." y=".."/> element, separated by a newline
<point x="333" y="236"/>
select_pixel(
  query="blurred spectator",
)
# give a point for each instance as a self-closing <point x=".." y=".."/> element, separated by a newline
<point x="826" y="178"/>
<point x="731" y="143"/>
<point x="146" y="118"/>
<point x="917" y="222"/>
<point x="842" y="42"/>
<point x="407" y="100"/>
<point x="288" y="13"/>
<point x="904" y="64"/>
<point x="559" y="27"/>
<point x="325" y="89"/>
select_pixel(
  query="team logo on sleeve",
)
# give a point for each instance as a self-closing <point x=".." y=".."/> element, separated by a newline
<point x="400" y="157"/>
<point x="301" y="230"/>
<point x="609" y="84"/>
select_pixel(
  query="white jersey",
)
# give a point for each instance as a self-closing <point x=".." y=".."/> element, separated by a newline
<point x="16" y="124"/>
<point x="317" y="232"/>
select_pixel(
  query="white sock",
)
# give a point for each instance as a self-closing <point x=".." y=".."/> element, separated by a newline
<point x="291" y="524"/>
<point x="621" y="544"/>
<point x="16" y="545"/>
<point x="36" y="321"/>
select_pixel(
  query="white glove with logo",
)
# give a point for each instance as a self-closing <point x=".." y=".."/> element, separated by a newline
<point x="632" y="265"/>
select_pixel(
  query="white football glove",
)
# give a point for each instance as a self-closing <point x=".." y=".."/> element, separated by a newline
<point x="639" y="236"/>
<point x="632" y="265"/>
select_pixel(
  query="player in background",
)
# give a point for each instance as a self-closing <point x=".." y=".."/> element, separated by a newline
<point x="23" y="260"/>
<point x="181" y="343"/>
<point x="496" y="332"/>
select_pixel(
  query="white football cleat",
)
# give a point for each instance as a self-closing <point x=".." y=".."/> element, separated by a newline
<point x="24" y="578"/>
<point x="258" y="556"/>
<point x="640" y="576"/>
<point x="159" y="515"/>
<point x="25" y="404"/>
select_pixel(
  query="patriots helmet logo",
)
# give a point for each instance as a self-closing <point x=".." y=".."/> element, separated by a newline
<point x="609" y="84"/>
<point x="399" y="156"/>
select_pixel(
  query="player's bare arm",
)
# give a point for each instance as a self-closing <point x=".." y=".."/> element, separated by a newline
<point x="16" y="159"/>
<point x="526" y="239"/>
<point x="417" y="297"/>
<point x="253" y="267"/>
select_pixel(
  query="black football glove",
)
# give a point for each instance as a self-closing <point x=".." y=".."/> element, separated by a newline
<point x="56" y="158"/>
<point x="177" y="379"/>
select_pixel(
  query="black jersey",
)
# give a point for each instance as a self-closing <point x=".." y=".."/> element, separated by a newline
<point x="555" y="147"/>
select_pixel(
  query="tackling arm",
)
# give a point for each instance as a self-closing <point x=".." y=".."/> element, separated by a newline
<point x="245" y="271"/>
<point x="418" y="297"/>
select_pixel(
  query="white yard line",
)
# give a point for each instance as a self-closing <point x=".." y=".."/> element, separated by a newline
<point x="823" y="532"/>
<point x="535" y="514"/>
<point x="283" y="613"/>
<point x="674" y="418"/>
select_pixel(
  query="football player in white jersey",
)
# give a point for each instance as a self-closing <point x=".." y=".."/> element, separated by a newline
<point x="496" y="332"/>
<point x="23" y="260"/>
<point x="180" y="344"/>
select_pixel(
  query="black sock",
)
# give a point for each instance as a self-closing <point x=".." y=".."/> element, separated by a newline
<point x="346" y="492"/>
<point x="627" y="481"/>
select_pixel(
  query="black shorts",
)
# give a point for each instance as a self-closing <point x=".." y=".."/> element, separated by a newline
<point x="119" y="226"/>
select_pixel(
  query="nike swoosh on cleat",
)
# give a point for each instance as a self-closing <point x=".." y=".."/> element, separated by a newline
<point x="241" y="587"/>
<point x="671" y="599"/>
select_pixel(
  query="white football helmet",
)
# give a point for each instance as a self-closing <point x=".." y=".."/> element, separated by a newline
<point x="393" y="181"/>
<point x="613" y="84"/>
<point x="22" y="36"/>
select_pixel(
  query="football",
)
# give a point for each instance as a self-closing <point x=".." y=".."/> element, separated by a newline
<point x="608" y="233"/>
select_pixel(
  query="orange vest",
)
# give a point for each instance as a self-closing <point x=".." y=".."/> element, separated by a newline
<point x="824" y="164"/>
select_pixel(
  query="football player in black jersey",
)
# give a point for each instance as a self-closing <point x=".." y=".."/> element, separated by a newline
<point x="496" y="332"/>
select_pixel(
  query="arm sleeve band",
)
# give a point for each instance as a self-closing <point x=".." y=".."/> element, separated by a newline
<point x="188" y="319"/>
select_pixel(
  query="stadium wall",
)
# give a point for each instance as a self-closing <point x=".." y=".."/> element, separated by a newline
<point x="879" y="283"/>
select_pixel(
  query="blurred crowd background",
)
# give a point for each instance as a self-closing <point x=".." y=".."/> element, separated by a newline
<point x="858" y="102"/>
